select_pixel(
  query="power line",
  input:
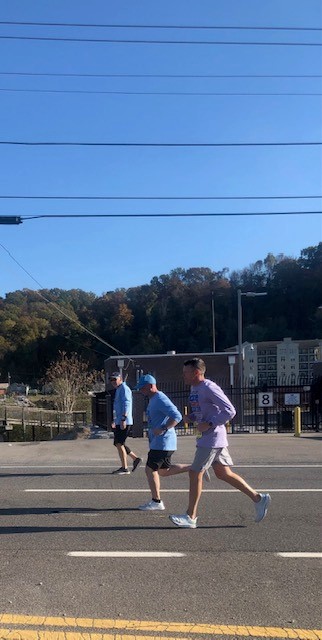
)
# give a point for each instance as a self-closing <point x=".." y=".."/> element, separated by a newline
<point x="189" y="42"/>
<point x="158" y="144"/>
<point x="156" y="93"/>
<point x="158" y="26"/>
<point x="11" y="197"/>
<point x="14" y="220"/>
<point x="155" y="75"/>
<point x="79" y="324"/>
<point x="169" y="215"/>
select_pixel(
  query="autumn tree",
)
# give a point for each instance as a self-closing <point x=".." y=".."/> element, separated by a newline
<point x="69" y="378"/>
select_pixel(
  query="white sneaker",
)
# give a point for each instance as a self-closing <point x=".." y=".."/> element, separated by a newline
<point x="262" y="506"/>
<point x="184" y="521"/>
<point x="152" y="506"/>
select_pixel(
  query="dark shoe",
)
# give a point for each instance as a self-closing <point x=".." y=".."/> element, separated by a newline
<point x="120" y="472"/>
<point x="136" y="463"/>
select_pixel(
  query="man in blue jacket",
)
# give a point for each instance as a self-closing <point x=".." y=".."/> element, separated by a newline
<point x="163" y="416"/>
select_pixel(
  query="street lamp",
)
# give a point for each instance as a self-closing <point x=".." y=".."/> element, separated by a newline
<point x="120" y="364"/>
<point x="247" y="294"/>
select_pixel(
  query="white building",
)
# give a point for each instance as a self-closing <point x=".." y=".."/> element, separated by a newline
<point x="280" y="362"/>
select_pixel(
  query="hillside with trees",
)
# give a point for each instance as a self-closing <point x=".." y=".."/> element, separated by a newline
<point x="172" y="312"/>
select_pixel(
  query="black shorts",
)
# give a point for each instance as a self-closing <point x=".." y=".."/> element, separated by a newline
<point x="158" y="459"/>
<point x="120" y="435"/>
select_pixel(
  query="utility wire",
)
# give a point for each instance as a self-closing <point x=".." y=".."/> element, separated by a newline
<point x="158" y="144"/>
<point x="156" y="93"/>
<point x="79" y="324"/>
<point x="169" y="215"/>
<point x="11" y="197"/>
<point x="189" y="42"/>
<point x="157" y="26"/>
<point x="154" y="75"/>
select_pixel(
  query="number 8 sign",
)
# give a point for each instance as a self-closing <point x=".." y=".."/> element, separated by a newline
<point x="265" y="399"/>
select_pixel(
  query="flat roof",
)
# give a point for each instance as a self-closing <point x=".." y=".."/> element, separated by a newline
<point x="173" y="355"/>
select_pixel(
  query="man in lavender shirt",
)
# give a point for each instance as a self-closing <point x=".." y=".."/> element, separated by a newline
<point x="211" y="409"/>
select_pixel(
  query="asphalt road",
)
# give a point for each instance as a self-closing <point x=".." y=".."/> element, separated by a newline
<point x="58" y="498"/>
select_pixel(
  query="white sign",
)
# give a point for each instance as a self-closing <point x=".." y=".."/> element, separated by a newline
<point x="292" y="399"/>
<point x="9" y="427"/>
<point x="265" y="399"/>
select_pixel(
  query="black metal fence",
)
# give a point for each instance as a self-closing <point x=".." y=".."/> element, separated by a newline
<point x="268" y="409"/>
<point x="271" y="409"/>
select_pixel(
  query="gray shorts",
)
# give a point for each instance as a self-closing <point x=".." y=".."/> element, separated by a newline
<point x="205" y="458"/>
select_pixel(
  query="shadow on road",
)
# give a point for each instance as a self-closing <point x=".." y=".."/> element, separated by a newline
<point x="21" y="511"/>
<point x="13" y="530"/>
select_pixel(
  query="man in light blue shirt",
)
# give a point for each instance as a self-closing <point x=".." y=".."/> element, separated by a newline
<point x="122" y="421"/>
<point x="163" y="417"/>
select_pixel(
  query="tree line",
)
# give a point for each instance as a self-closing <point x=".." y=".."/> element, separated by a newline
<point x="172" y="312"/>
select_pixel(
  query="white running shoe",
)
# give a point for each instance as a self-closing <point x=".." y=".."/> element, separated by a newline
<point x="262" y="506"/>
<point x="184" y="521"/>
<point x="152" y="506"/>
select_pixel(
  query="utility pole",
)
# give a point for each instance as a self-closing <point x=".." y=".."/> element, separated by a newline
<point x="247" y="294"/>
<point x="213" y="322"/>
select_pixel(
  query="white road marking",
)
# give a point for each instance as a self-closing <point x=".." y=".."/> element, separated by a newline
<point x="304" y="554"/>
<point x="125" y="554"/>
<point x="98" y="466"/>
<point x="59" y="466"/>
<point x="277" y="466"/>
<point x="163" y="490"/>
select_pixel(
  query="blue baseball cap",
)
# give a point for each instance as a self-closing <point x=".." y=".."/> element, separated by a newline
<point x="115" y="375"/>
<point x="147" y="379"/>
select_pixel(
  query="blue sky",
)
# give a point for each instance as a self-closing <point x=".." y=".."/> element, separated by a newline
<point x="103" y="254"/>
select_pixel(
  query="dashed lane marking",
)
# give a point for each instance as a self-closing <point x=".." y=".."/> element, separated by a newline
<point x="125" y="554"/>
<point x="300" y="554"/>
<point x="96" y="627"/>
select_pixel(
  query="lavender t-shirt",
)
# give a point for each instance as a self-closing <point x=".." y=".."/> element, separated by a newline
<point x="210" y="404"/>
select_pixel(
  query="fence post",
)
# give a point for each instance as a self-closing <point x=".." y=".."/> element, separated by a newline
<point x="316" y="416"/>
<point x="265" y="419"/>
<point x="185" y="421"/>
<point x="23" y="424"/>
<point x="297" y="422"/>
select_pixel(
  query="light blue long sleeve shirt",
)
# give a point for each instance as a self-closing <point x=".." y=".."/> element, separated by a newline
<point x="159" y="410"/>
<point x="123" y="404"/>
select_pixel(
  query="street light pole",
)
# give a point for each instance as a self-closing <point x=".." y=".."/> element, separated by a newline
<point x="247" y="294"/>
<point x="240" y="358"/>
<point x="213" y="322"/>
